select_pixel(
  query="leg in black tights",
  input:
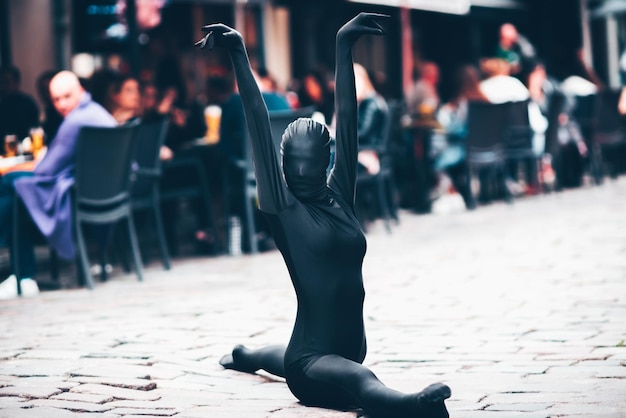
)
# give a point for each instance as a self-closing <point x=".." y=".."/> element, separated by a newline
<point x="334" y="381"/>
<point x="361" y="386"/>
<point x="270" y="359"/>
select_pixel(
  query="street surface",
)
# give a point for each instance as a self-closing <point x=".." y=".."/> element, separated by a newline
<point x="520" y="309"/>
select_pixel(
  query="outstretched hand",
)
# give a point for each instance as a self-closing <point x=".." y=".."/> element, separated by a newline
<point x="219" y="35"/>
<point x="362" y="24"/>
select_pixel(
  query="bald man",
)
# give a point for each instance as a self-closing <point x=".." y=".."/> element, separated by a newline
<point x="46" y="190"/>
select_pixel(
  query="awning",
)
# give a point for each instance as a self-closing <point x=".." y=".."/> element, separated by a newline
<point x="457" y="7"/>
<point x="605" y="8"/>
<point x="232" y="2"/>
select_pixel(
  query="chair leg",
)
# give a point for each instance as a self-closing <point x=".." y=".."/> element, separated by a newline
<point x="103" y="264"/>
<point x="15" y="254"/>
<point x="158" y="219"/>
<point x="120" y="245"/>
<point x="82" y="255"/>
<point x="381" y="192"/>
<point x="134" y="247"/>
<point x="250" y="224"/>
<point x="501" y="173"/>
<point x="54" y="265"/>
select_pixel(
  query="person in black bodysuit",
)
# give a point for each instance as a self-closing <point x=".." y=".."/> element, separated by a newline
<point x="315" y="228"/>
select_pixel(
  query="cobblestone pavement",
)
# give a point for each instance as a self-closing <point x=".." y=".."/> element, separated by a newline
<point x="520" y="308"/>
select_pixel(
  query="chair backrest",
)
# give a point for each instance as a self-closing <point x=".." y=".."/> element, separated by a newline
<point x="583" y="111"/>
<point x="518" y="114"/>
<point x="280" y="119"/>
<point x="150" y="137"/>
<point x="557" y="104"/>
<point x="486" y="123"/>
<point x="103" y="164"/>
<point x="518" y="132"/>
<point x="607" y="118"/>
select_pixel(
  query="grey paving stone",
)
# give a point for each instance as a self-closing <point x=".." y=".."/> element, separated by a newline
<point x="29" y="391"/>
<point x="68" y="405"/>
<point x="137" y="384"/>
<point x="83" y="397"/>
<point x="146" y="412"/>
<point x="49" y="412"/>
<point x="115" y="392"/>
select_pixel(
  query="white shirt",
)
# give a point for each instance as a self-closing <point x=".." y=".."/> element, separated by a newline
<point x="502" y="89"/>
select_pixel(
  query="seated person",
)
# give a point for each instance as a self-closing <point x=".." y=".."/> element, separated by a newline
<point x="449" y="144"/>
<point x="44" y="185"/>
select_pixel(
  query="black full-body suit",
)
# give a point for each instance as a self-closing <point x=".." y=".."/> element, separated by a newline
<point x="319" y="236"/>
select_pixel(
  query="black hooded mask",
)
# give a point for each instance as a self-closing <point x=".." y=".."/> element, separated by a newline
<point x="305" y="150"/>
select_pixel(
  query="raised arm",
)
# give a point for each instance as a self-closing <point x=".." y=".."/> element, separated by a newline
<point x="270" y="184"/>
<point x="343" y="176"/>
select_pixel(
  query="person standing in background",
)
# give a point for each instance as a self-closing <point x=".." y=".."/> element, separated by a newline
<point x="18" y="110"/>
<point x="515" y="49"/>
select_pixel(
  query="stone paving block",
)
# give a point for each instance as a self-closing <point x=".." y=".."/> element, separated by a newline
<point x="509" y="414"/>
<point x="11" y="402"/>
<point x="136" y="384"/>
<point x="49" y="412"/>
<point x="126" y="371"/>
<point x="225" y="412"/>
<point x="83" y="397"/>
<point x="29" y="391"/>
<point x="310" y="413"/>
<point x="69" y="405"/>
<point x="519" y="407"/>
<point x="33" y="367"/>
<point x="115" y="392"/>
<point x="587" y="409"/>
<point x="50" y="354"/>
<point x="611" y="372"/>
<point x="145" y="411"/>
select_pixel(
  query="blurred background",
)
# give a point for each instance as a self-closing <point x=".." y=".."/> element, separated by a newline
<point x="289" y="37"/>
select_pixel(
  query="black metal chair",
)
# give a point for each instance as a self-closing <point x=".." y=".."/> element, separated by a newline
<point x="518" y="137"/>
<point x="145" y="188"/>
<point x="486" y="124"/>
<point x="607" y="134"/>
<point x="102" y="189"/>
<point x="584" y="113"/>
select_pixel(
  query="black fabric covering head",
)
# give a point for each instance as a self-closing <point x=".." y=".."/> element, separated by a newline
<point x="305" y="150"/>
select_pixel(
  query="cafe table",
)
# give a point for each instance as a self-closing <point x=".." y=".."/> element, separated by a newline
<point x="17" y="163"/>
<point x="421" y="176"/>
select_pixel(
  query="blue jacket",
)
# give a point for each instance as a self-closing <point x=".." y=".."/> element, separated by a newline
<point x="46" y="194"/>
